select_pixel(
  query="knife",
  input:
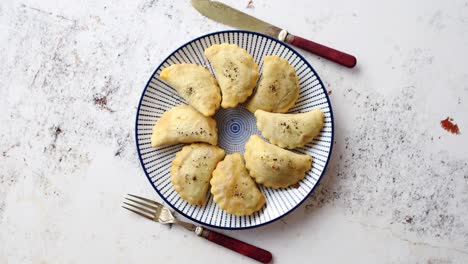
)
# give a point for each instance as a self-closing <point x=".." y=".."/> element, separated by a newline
<point x="232" y="17"/>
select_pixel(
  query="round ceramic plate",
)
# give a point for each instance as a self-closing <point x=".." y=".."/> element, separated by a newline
<point x="235" y="125"/>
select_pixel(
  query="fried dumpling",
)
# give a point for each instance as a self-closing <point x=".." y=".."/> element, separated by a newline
<point x="290" y="130"/>
<point x="183" y="124"/>
<point x="233" y="189"/>
<point x="278" y="88"/>
<point x="192" y="169"/>
<point x="236" y="71"/>
<point x="196" y="85"/>
<point x="273" y="166"/>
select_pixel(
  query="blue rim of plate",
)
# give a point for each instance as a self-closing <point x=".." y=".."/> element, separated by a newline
<point x="331" y="117"/>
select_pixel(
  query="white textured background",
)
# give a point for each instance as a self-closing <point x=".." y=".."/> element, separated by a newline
<point x="71" y="75"/>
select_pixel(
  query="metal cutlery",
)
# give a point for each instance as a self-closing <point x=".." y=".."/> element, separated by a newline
<point x="157" y="212"/>
<point x="232" y="17"/>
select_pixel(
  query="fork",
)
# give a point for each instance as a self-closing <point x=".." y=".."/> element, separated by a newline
<point x="157" y="212"/>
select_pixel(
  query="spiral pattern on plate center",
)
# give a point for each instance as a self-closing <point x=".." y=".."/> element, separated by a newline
<point x="235" y="125"/>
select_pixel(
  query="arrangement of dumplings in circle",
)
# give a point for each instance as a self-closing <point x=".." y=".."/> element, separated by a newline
<point x="273" y="166"/>
<point x="290" y="130"/>
<point x="233" y="189"/>
<point x="192" y="169"/>
<point x="278" y="88"/>
<point x="201" y="168"/>
<point x="196" y="85"/>
<point x="236" y="71"/>
<point x="183" y="124"/>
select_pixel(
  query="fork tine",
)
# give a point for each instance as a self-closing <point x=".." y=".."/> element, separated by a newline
<point x="143" y="204"/>
<point x="147" y="200"/>
<point x="136" y="212"/>
<point x="140" y="208"/>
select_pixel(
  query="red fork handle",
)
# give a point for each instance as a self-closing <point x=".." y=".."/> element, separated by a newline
<point x="322" y="51"/>
<point x="238" y="246"/>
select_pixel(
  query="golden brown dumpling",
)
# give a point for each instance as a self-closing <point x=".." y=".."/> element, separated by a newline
<point x="183" y="124"/>
<point x="233" y="189"/>
<point x="192" y="169"/>
<point x="196" y="85"/>
<point x="278" y="88"/>
<point x="236" y="71"/>
<point x="290" y="130"/>
<point x="273" y="166"/>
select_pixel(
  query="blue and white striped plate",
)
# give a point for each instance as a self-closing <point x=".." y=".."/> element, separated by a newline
<point x="235" y="126"/>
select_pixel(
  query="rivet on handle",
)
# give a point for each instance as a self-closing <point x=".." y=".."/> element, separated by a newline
<point x="199" y="230"/>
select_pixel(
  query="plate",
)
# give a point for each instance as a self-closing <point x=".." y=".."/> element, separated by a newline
<point x="235" y="125"/>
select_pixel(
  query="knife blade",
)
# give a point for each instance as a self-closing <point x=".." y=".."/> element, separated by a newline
<point x="227" y="15"/>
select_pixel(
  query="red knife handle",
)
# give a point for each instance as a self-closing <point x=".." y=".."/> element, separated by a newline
<point x="322" y="51"/>
<point x="237" y="246"/>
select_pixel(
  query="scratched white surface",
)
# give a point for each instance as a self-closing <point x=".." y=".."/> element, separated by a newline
<point x="71" y="75"/>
